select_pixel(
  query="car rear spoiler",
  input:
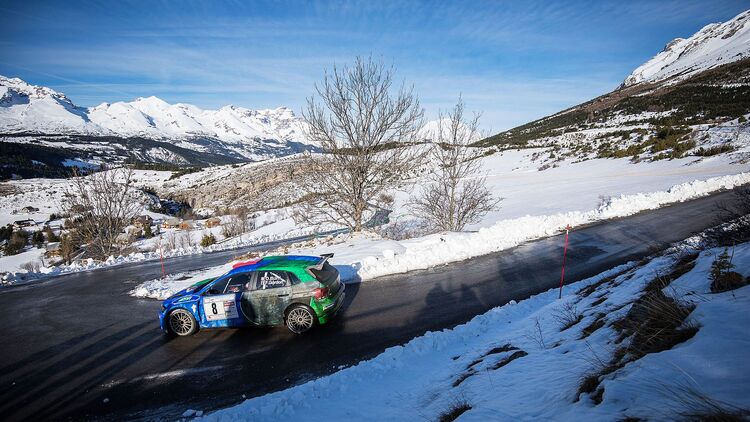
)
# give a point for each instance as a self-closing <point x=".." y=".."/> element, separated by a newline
<point x="323" y="258"/>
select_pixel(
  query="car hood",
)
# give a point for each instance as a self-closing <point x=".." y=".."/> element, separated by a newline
<point x="187" y="294"/>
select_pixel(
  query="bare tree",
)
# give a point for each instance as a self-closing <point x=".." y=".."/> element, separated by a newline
<point x="238" y="223"/>
<point x="455" y="193"/>
<point x="68" y="247"/>
<point x="106" y="203"/>
<point x="367" y="131"/>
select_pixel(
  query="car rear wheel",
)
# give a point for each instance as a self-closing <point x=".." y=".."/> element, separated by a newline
<point x="300" y="319"/>
<point x="182" y="323"/>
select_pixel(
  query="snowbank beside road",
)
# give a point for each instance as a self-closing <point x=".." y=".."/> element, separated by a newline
<point x="162" y="288"/>
<point x="433" y="250"/>
<point x="499" y="364"/>
<point x="15" y="275"/>
<point x="364" y="257"/>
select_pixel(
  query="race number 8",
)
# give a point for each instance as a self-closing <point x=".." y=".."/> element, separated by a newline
<point x="220" y="307"/>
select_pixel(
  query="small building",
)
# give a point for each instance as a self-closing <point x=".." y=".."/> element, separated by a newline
<point x="29" y="209"/>
<point x="133" y="230"/>
<point x="186" y="225"/>
<point x="142" y="221"/>
<point x="213" y="222"/>
<point x="24" y="223"/>
<point x="171" y="223"/>
<point x="53" y="249"/>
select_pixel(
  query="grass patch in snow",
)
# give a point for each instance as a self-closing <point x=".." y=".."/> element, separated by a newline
<point x="654" y="323"/>
<point x="598" y="323"/>
<point x="456" y="409"/>
<point x="567" y="315"/>
<point x="510" y="358"/>
<point x="694" y="405"/>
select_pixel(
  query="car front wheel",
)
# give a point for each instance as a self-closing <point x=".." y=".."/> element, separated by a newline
<point x="182" y="323"/>
<point x="300" y="319"/>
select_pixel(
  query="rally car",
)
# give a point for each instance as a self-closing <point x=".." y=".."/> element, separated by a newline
<point x="296" y="291"/>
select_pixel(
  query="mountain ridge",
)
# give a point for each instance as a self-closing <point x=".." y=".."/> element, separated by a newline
<point x="243" y="132"/>
<point x="713" y="45"/>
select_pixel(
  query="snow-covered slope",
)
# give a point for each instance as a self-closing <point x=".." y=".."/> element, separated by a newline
<point x="714" y="45"/>
<point x="548" y="359"/>
<point x="245" y="132"/>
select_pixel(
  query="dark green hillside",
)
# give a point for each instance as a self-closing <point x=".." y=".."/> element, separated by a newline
<point x="718" y="93"/>
<point x="44" y="155"/>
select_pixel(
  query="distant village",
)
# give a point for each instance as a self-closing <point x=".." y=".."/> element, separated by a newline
<point x="28" y="233"/>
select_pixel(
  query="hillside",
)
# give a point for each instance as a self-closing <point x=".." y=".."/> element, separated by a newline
<point x="665" y="109"/>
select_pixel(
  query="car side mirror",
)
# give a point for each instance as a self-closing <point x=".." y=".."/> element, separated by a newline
<point x="212" y="292"/>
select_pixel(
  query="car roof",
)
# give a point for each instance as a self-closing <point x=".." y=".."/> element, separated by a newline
<point x="283" y="262"/>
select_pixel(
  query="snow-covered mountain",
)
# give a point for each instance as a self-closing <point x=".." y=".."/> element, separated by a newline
<point x="31" y="108"/>
<point x="691" y="100"/>
<point x="231" y="130"/>
<point x="714" y="45"/>
<point x="153" y="117"/>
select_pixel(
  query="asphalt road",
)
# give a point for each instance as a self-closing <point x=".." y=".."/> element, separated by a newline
<point x="78" y="347"/>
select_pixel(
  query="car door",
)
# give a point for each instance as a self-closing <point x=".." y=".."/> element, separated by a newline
<point x="269" y="296"/>
<point x="220" y="303"/>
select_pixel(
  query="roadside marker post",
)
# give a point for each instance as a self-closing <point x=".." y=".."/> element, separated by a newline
<point x="565" y="253"/>
<point x="161" y="258"/>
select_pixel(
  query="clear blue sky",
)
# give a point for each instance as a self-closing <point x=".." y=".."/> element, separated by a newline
<point x="513" y="61"/>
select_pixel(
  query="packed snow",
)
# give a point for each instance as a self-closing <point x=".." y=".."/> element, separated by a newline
<point x="498" y="366"/>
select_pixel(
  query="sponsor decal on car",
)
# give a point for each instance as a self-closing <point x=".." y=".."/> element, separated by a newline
<point x="220" y="307"/>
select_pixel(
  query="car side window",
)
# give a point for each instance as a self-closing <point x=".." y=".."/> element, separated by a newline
<point x="293" y="279"/>
<point x="218" y="287"/>
<point x="237" y="283"/>
<point x="271" y="280"/>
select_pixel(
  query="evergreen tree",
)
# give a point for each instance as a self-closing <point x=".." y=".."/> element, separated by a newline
<point x="721" y="266"/>
<point x="17" y="242"/>
<point x="51" y="236"/>
<point x="37" y="238"/>
<point x="208" y="240"/>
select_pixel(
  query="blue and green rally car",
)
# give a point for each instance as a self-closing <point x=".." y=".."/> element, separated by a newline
<point x="292" y="290"/>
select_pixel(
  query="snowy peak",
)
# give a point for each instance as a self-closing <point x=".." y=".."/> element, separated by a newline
<point x="241" y="131"/>
<point x="22" y="88"/>
<point x="155" y="117"/>
<point x="30" y="108"/>
<point x="714" y="45"/>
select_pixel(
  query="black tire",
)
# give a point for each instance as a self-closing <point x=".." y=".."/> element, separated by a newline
<point x="181" y="323"/>
<point x="299" y="318"/>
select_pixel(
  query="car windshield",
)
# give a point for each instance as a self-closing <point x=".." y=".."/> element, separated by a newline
<point x="327" y="274"/>
<point x="199" y="284"/>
